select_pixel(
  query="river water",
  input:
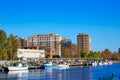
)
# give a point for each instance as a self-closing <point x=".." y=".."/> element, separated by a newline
<point x="74" y="73"/>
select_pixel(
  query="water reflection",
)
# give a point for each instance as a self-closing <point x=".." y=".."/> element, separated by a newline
<point x="76" y="73"/>
<point x="23" y="73"/>
<point x="14" y="75"/>
<point x="49" y="70"/>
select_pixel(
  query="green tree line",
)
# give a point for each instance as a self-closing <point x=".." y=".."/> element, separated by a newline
<point x="8" y="46"/>
<point x="68" y="52"/>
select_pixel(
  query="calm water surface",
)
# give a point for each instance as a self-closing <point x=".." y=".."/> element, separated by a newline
<point x="75" y="73"/>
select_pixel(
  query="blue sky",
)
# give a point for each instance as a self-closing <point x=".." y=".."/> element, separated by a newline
<point x="98" y="18"/>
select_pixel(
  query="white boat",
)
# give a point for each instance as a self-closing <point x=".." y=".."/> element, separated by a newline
<point x="48" y="65"/>
<point x="17" y="67"/>
<point x="105" y="63"/>
<point x="100" y="63"/>
<point x="89" y="63"/>
<point x="63" y="65"/>
<point x="110" y="62"/>
<point x="94" y="63"/>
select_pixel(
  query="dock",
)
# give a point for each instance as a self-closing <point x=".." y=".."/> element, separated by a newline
<point x="36" y="63"/>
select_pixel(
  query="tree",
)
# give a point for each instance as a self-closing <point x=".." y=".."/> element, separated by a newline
<point x="3" y="37"/>
<point x="5" y="55"/>
<point x="84" y="54"/>
<point x="94" y="55"/>
<point x="116" y="56"/>
<point x="1" y="52"/>
<point x="12" y="46"/>
<point x="56" y="56"/>
<point x="8" y="46"/>
<point x="66" y="48"/>
<point x="106" y="54"/>
<point x="77" y="55"/>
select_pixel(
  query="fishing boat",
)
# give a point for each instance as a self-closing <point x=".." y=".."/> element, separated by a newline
<point x="48" y="65"/>
<point x="17" y="67"/>
<point x="63" y="65"/>
<point x="94" y="63"/>
<point x="100" y="63"/>
<point x="110" y="62"/>
<point x="105" y="62"/>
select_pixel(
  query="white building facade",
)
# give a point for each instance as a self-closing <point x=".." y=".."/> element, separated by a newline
<point x="29" y="53"/>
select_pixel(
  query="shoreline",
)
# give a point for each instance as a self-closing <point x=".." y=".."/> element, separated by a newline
<point x="116" y="61"/>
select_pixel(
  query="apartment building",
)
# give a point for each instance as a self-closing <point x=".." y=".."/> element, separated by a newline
<point x="66" y="42"/>
<point x="23" y="42"/>
<point x="49" y="42"/>
<point x="84" y="42"/>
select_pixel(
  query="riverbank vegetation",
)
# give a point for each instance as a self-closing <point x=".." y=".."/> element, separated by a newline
<point x="8" y="46"/>
<point x="72" y="51"/>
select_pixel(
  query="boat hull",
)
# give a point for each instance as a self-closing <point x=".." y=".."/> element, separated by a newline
<point x="63" y="66"/>
<point x="49" y="67"/>
<point x="13" y="68"/>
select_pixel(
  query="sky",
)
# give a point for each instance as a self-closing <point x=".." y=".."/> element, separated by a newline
<point x="100" y="19"/>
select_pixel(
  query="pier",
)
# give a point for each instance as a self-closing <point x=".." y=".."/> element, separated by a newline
<point x="36" y="63"/>
<point x="72" y="61"/>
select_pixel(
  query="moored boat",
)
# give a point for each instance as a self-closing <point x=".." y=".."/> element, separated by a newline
<point x="48" y="64"/>
<point x="105" y="63"/>
<point x="94" y="63"/>
<point x="63" y="65"/>
<point x="100" y="63"/>
<point x="17" y="67"/>
<point x="110" y="62"/>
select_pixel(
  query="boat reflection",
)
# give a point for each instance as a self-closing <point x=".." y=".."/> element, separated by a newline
<point x="18" y="74"/>
<point x="49" y="70"/>
<point x="14" y="72"/>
